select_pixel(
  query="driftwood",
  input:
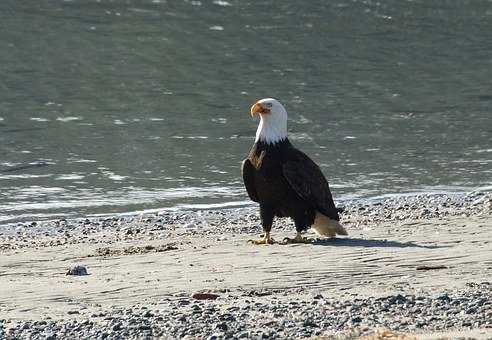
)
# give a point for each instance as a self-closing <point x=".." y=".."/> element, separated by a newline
<point x="428" y="267"/>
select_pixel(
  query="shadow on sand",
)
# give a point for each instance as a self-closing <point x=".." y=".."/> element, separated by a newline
<point x="370" y="243"/>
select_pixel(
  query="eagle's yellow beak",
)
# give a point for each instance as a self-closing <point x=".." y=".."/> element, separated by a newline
<point x="258" y="108"/>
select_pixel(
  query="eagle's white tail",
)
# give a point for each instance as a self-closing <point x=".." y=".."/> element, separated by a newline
<point x="325" y="226"/>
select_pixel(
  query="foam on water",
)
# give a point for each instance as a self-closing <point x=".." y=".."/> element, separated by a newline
<point x="67" y="119"/>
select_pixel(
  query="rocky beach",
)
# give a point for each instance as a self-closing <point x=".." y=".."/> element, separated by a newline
<point x="412" y="266"/>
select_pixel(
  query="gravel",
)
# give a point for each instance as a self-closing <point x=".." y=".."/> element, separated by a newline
<point x="279" y="315"/>
<point x="224" y="223"/>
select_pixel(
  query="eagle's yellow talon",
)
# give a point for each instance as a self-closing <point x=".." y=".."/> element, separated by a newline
<point x="261" y="241"/>
<point x="298" y="239"/>
<point x="265" y="240"/>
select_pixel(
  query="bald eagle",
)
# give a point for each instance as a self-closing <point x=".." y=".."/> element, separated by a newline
<point x="285" y="181"/>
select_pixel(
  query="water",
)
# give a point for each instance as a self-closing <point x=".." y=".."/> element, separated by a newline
<point x="119" y="106"/>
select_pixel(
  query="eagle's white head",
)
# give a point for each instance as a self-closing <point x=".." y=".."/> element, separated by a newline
<point x="273" y="120"/>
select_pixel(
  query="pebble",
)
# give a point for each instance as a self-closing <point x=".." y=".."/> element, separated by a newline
<point x="204" y="296"/>
<point x="77" y="270"/>
<point x="355" y="317"/>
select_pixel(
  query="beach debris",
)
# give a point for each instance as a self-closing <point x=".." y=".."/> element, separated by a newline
<point x="107" y="251"/>
<point x="77" y="270"/>
<point x="430" y="267"/>
<point x="204" y="296"/>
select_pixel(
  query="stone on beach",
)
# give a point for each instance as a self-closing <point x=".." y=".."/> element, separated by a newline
<point x="77" y="270"/>
<point x="204" y="296"/>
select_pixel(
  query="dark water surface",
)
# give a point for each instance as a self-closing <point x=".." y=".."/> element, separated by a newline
<point x="118" y="106"/>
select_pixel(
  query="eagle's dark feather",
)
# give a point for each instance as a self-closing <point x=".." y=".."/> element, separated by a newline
<point x="307" y="180"/>
<point x="247" y="170"/>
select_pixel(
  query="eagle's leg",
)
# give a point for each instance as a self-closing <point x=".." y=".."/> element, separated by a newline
<point x="300" y="221"/>
<point x="266" y="215"/>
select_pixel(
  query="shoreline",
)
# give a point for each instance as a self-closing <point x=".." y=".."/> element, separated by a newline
<point x="347" y="287"/>
<point x="456" y="193"/>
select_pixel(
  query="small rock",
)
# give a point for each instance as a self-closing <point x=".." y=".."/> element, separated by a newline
<point x="444" y="297"/>
<point x="204" y="296"/>
<point x="397" y="299"/>
<point x="77" y="270"/>
<point x="309" y="323"/>
<point x="356" y="320"/>
<point x="148" y="314"/>
<point x="222" y="326"/>
<point x="144" y="327"/>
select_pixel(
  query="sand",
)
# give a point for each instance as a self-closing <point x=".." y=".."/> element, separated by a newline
<point x="430" y="255"/>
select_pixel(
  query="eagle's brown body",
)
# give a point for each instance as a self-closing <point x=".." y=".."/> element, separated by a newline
<point x="286" y="183"/>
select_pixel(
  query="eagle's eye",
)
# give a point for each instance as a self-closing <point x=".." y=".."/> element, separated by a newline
<point x="268" y="105"/>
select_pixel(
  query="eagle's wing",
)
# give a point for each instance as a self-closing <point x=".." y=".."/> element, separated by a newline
<point x="248" y="172"/>
<point x="307" y="180"/>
